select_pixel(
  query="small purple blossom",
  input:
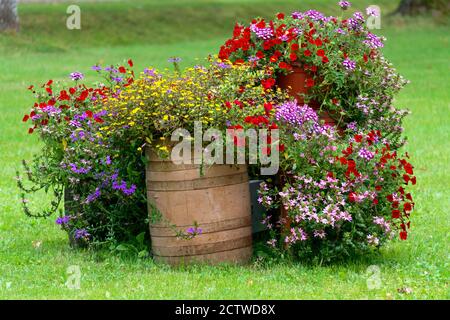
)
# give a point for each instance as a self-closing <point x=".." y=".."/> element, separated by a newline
<point x="365" y="154"/>
<point x="76" y="76"/>
<point x="96" y="68"/>
<point x="315" y="15"/>
<point x="192" y="231"/>
<point x="349" y="64"/>
<point x="297" y="15"/>
<point x="63" y="220"/>
<point x="344" y="4"/>
<point x="262" y="33"/>
<point x="81" y="234"/>
<point x="93" y="196"/>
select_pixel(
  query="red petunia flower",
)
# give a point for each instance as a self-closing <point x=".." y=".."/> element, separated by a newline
<point x="403" y="235"/>
<point x="295" y="47"/>
<point x="25" y="118"/>
<point x="293" y="57"/>
<point x="280" y="16"/>
<point x="260" y="55"/>
<point x="395" y="214"/>
<point x="307" y="53"/>
<point x="122" y="69"/>
<point x="130" y="63"/>
<point x="325" y="59"/>
<point x="318" y="42"/>
<point x="320" y="53"/>
<point x="309" y="82"/>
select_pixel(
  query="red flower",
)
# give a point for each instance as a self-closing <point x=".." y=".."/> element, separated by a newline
<point x="307" y="53"/>
<point x="309" y="82"/>
<point x="352" y="197"/>
<point x="30" y="131"/>
<point x="273" y="58"/>
<point x="72" y="90"/>
<point x="268" y="107"/>
<point x="283" y="65"/>
<point x="395" y="214"/>
<point x="130" y="62"/>
<point x="25" y="118"/>
<point x="325" y="59"/>
<point x="295" y="47"/>
<point x="320" y="53"/>
<point x="318" y="42"/>
<point x="89" y="113"/>
<point x="99" y="120"/>
<point x="293" y="57"/>
<point x="122" y="69"/>
<point x="378" y="188"/>
<point x="83" y="95"/>
<point x="407" y="207"/>
<point x="260" y="55"/>
<point x="408" y="168"/>
<point x="281" y="147"/>
<point x="280" y="16"/>
<point x="269" y="83"/>
<point x="365" y="58"/>
<point x="403" y="235"/>
<point x="358" y="137"/>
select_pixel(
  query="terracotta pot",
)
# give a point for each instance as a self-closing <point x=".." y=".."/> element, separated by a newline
<point x="295" y="85"/>
<point x="218" y="200"/>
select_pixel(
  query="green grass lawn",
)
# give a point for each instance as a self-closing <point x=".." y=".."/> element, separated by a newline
<point x="150" y="32"/>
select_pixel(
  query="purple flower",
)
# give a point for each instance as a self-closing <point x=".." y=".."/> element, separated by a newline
<point x="79" y="170"/>
<point x="150" y="72"/>
<point x="352" y="126"/>
<point x="344" y="4"/>
<point x="291" y="113"/>
<point x="174" y="60"/>
<point x="76" y="76"/>
<point x="81" y="234"/>
<point x="223" y="65"/>
<point x="192" y="231"/>
<point x="63" y="220"/>
<point x="349" y="64"/>
<point x="93" y="196"/>
<point x="262" y="33"/>
<point x="96" y="68"/>
<point x="297" y="15"/>
<point x="117" y="79"/>
<point x="315" y="15"/>
<point x="365" y="154"/>
<point x="373" y="41"/>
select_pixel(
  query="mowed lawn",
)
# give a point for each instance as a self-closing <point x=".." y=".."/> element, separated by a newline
<point x="34" y="254"/>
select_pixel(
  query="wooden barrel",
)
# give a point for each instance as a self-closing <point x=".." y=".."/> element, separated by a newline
<point x="218" y="200"/>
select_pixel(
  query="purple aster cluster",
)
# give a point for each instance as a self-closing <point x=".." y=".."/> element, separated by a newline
<point x="262" y="33"/>
<point x="81" y="234"/>
<point x="365" y="154"/>
<point x="79" y="170"/>
<point x="76" y="76"/>
<point x="290" y="112"/>
<point x="297" y="15"/>
<point x="344" y="4"/>
<point x="348" y="64"/>
<point x="122" y="186"/>
<point x="315" y="15"/>
<point x="93" y="196"/>
<point x="63" y="220"/>
<point x="357" y="21"/>
<point x="373" y="41"/>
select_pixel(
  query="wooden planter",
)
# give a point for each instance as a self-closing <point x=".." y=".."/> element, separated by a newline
<point x="295" y="85"/>
<point x="218" y="200"/>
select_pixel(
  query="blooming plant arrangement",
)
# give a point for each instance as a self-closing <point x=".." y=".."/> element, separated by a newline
<point x="343" y="197"/>
<point x="219" y="95"/>
<point x="100" y="179"/>
<point x="347" y="75"/>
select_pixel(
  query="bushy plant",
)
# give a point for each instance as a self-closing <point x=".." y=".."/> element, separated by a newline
<point x="100" y="179"/>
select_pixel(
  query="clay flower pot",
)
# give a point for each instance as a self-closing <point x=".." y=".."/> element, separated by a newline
<point x="295" y="85"/>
